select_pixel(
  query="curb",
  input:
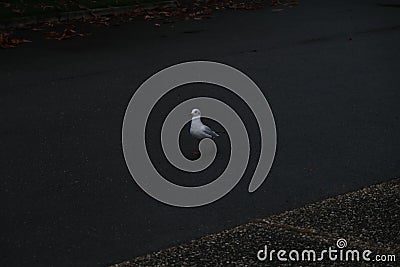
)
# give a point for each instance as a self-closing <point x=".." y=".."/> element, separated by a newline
<point x="367" y="218"/>
<point x="80" y="14"/>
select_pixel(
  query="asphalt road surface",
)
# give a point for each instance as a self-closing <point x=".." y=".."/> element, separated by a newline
<point x="330" y="72"/>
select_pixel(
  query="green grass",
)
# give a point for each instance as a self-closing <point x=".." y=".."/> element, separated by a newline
<point x="19" y="8"/>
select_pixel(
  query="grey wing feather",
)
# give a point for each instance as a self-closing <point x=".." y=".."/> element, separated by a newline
<point x="209" y="131"/>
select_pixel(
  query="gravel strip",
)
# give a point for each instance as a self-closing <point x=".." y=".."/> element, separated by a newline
<point x="366" y="219"/>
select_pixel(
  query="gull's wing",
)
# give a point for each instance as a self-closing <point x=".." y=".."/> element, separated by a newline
<point x="208" y="130"/>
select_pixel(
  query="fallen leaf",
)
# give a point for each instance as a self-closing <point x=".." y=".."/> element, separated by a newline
<point x="83" y="7"/>
<point x="45" y="7"/>
<point x="68" y="34"/>
<point x="8" y="42"/>
<point x="15" y="41"/>
<point x="18" y="11"/>
<point x="6" y="4"/>
<point x="51" y="35"/>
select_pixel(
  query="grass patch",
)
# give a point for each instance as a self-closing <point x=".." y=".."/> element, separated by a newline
<point x="20" y="8"/>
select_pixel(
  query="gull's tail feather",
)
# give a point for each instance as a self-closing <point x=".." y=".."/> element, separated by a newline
<point x="214" y="134"/>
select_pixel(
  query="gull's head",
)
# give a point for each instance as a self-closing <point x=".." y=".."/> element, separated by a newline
<point x="196" y="113"/>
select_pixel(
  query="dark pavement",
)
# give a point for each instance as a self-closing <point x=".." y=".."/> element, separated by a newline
<point x="330" y="72"/>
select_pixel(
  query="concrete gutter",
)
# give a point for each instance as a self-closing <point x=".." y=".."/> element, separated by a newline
<point x="368" y="219"/>
<point x="80" y="14"/>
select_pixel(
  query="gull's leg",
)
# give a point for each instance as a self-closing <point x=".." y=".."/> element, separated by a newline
<point x="196" y="146"/>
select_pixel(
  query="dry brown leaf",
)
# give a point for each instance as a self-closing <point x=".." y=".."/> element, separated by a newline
<point x="51" y="35"/>
<point x="45" y="7"/>
<point x="16" y="41"/>
<point x="17" y="11"/>
<point x="8" y="42"/>
<point x="6" y="4"/>
<point x="83" y="7"/>
<point x="69" y="33"/>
